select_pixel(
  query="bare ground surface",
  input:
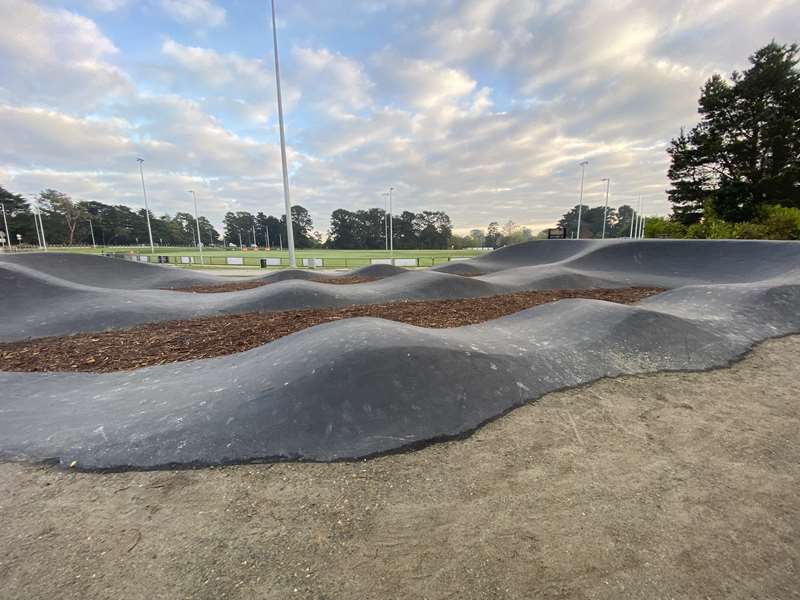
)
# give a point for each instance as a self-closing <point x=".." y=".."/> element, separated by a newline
<point x="172" y="341"/>
<point x="681" y="485"/>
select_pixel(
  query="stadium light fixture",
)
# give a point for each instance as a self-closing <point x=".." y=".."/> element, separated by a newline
<point x="289" y="228"/>
<point x="605" y="210"/>
<point x="580" y="200"/>
<point x="197" y="223"/>
<point x="146" y="207"/>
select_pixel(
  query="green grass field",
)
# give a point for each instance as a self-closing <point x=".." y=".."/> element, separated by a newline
<point x="251" y="258"/>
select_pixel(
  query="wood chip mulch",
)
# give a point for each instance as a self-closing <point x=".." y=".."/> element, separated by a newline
<point x="173" y="341"/>
<point x="235" y="286"/>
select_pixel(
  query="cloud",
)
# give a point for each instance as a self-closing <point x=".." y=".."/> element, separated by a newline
<point x="106" y="5"/>
<point x="334" y="82"/>
<point x="483" y="108"/>
<point x="195" y="13"/>
<point x="55" y="58"/>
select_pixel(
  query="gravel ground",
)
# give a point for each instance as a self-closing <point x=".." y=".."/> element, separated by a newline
<point x="681" y="485"/>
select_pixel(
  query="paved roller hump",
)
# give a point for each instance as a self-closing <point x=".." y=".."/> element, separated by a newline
<point x="361" y="387"/>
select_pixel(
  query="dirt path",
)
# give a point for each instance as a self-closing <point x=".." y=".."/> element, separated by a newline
<point x="658" y="486"/>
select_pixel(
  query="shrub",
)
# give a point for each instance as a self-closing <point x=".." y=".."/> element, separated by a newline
<point x="781" y="222"/>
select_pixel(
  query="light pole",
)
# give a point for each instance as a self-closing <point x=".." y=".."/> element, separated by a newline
<point x="391" y="227"/>
<point x="5" y="222"/>
<point x="197" y="222"/>
<point x="385" y="221"/>
<point x="91" y="230"/>
<point x="146" y="207"/>
<point x="388" y="225"/>
<point x="639" y="220"/>
<point x="36" y="226"/>
<point x="642" y="218"/>
<point x="605" y="210"/>
<point x="289" y="231"/>
<point x="41" y="224"/>
<point x="580" y="200"/>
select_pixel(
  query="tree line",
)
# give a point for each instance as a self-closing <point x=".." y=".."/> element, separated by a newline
<point x="67" y="222"/>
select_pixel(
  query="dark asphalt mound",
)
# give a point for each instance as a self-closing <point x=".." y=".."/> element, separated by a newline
<point x="104" y="272"/>
<point x="364" y="386"/>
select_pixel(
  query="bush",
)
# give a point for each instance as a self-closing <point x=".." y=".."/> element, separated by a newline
<point x="750" y="231"/>
<point x="661" y="227"/>
<point x="780" y="222"/>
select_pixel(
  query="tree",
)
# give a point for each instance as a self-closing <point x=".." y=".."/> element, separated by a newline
<point x="433" y="229"/>
<point x="344" y="230"/>
<point x="302" y="227"/>
<point x="493" y="235"/>
<point x="745" y="152"/>
<point x="19" y="217"/>
<point x="591" y="221"/>
<point x="405" y="238"/>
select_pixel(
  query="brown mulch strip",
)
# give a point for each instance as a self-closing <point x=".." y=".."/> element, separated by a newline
<point x="173" y="341"/>
<point x="236" y="286"/>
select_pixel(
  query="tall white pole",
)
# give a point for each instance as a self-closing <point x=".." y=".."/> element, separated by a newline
<point x="197" y="223"/>
<point x="605" y="210"/>
<point x="41" y="225"/>
<point x="386" y="220"/>
<point x="391" y="228"/>
<point x="633" y="221"/>
<point x="36" y="226"/>
<point x="91" y="230"/>
<point x="639" y="222"/>
<point x="266" y="231"/>
<point x="580" y="200"/>
<point x="5" y="222"/>
<point x="289" y="230"/>
<point x="146" y="207"/>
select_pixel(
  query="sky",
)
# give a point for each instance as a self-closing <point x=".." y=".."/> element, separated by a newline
<point x="481" y="108"/>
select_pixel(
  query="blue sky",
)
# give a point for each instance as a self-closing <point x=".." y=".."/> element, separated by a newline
<point x="481" y="108"/>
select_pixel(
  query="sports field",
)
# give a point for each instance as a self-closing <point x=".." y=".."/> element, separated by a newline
<point x="251" y="257"/>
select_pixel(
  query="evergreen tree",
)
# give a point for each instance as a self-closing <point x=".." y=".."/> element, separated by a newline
<point x="745" y="152"/>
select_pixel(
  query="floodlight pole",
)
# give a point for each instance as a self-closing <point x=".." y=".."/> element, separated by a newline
<point x="580" y="201"/>
<point x="289" y="228"/>
<point x="385" y="221"/>
<point x="146" y="207"/>
<point x="36" y="226"/>
<point x="5" y="222"/>
<point x="633" y="220"/>
<point x="605" y="210"/>
<point x="388" y="226"/>
<point x="91" y="230"/>
<point x="197" y="223"/>
<point x="639" y="220"/>
<point x="391" y="227"/>
<point x="41" y="224"/>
